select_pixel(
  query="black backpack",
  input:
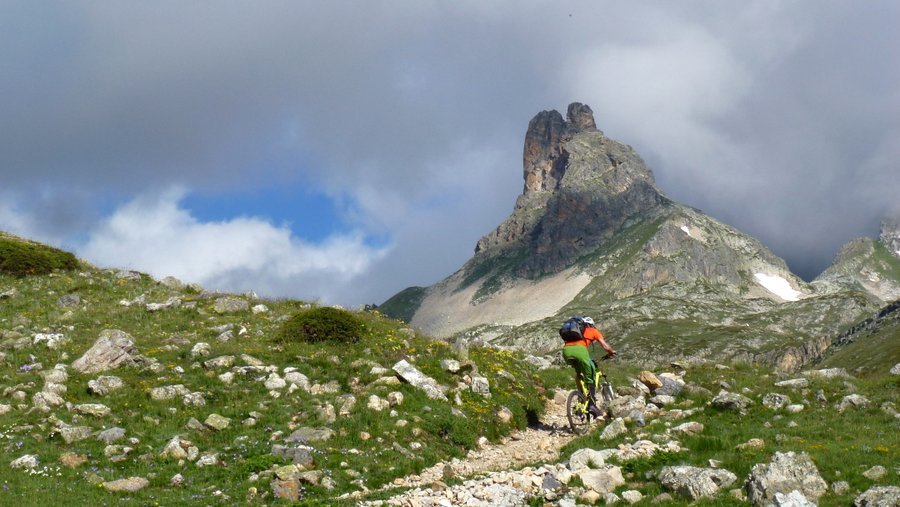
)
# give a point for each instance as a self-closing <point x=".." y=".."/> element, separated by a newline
<point x="571" y="330"/>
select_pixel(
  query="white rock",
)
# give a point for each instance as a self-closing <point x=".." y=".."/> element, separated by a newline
<point x="28" y="461"/>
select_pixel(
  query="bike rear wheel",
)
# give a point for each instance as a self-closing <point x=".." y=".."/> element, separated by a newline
<point x="576" y="412"/>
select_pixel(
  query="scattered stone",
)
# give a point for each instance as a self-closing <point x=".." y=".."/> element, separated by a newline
<point x="195" y="425"/>
<point x="230" y="304"/>
<point x="169" y="392"/>
<point x="45" y="401"/>
<point x="875" y="473"/>
<point x="792" y="499"/>
<point x="93" y="409"/>
<point x="72" y="460"/>
<point x="219" y="362"/>
<point x="632" y="496"/>
<point x="828" y="373"/>
<point x="114" y="348"/>
<point x="176" y="480"/>
<point x="480" y="385"/>
<point x="103" y="385"/>
<point x="310" y="435"/>
<point x="111" y="435"/>
<point x="201" y="349"/>
<point x="207" y="460"/>
<point x="896" y="369"/>
<point x="603" y="480"/>
<point x="671" y="385"/>
<point x="195" y="399"/>
<point x="129" y="485"/>
<point x="879" y="496"/>
<point x="301" y="456"/>
<point x="754" y="444"/>
<point x="775" y="401"/>
<point x="52" y="341"/>
<point x="614" y="429"/>
<point x="175" y="449"/>
<point x="689" y="428"/>
<point x="71" y="434"/>
<point x="797" y="383"/>
<point x="504" y="415"/>
<point x="650" y="380"/>
<point x="661" y="498"/>
<point x="662" y="400"/>
<point x="450" y="365"/>
<point x="786" y="472"/>
<point x="27" y="461"/>
<point x="852" y="401"/>
<point x="260" y="308"/>
<point x="275" y="382"/>
<point x="172" y="302"/>
<point x="419" y="380"/>
<point x="731" y="401"/>
<point x="840" y="488"/>
<point x="217" y="422"/>
<point x="377" y="403"/>
<point x="623" y="406"/>
<point x="695" y="483"/>
<point x="586" y="458"/>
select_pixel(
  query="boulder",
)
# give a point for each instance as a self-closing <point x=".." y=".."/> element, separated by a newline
<point x="419" y="380"/>
<point x="603" y="480"/>
<point x="217" y="422"/>
<point x="129" y="485"/>
<point x="93" y="409"/>
<point x="731" y="401"/>
<point x="694" y="483"/>
<point x="792" y="499"/>
<point x="775" y="401"/>
<point x="114" y="348"/>
<point x="853" y="401"/>
<point x="650" y="380"/>
<point x="229" y="304"/>
<point x="169" y="392"/>
<point x="614" y="429"/>
<point x="111" y="435"/>
<point x="103" y="385"/>
<point x="623" y="406"/>
<point x="586" y="458"/>
<point x="786" y="472"/>
<point x="880" y="496"/>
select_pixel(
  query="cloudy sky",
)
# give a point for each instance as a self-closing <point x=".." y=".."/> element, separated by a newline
<point x="341" y="151"/>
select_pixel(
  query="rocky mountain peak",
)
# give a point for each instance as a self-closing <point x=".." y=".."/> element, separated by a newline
<point x="890" y="234"/>
<point x="545" y="157"/>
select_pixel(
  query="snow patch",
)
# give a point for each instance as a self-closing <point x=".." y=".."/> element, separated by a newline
<point x="778" y="286"/>
<point x="686" y="229"/>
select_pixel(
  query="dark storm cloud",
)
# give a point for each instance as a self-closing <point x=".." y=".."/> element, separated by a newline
<point x="780" y="118"/>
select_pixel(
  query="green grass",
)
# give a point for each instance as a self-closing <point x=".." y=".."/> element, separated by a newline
<point x="842" y="445"/>
<point x="19" y="257"/>
<point x="404" y="304"/>
<point x="168" y="335"/>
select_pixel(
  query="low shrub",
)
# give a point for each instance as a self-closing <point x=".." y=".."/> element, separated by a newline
<point x="24" y="258"/>
<point x="322" y="324"/>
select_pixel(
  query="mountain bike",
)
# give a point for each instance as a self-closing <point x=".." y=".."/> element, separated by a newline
<point x="580" y="418"/>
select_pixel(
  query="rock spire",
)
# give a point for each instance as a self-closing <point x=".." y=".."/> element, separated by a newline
<point x="545" y="157"/>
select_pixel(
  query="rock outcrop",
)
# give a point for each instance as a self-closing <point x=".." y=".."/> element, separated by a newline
<point x="114" y="348"/>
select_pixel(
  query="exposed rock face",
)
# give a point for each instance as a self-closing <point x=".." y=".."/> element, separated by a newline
<point x="879" y="496"/>
<point x="890" y="235"/>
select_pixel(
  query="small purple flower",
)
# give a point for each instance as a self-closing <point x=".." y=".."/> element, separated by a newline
<point x="26" y="367"/>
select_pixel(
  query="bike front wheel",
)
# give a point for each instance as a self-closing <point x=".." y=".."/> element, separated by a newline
<point x="577" y="413"/>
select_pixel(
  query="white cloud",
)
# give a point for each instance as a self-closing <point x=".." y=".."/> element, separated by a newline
<point x="154" y="234"/>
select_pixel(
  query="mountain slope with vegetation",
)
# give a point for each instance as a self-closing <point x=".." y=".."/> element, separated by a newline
<point x="592" y="234"/>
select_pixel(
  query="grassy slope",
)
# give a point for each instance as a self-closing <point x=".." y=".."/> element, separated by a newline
<point x="842" y="445"/>
<point x="168" y="336"/>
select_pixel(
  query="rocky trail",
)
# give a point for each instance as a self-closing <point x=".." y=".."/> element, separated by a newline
<point x="538" y="443"/>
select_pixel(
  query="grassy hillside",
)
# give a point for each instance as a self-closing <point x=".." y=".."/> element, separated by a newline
<point x="870" y="347"/>
<point x="48" y="321"/>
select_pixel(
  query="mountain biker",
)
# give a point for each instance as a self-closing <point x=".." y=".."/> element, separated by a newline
<point x="576" y="354"/>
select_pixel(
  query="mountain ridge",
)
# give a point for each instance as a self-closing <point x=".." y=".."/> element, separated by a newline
<point x="593" y="234"/>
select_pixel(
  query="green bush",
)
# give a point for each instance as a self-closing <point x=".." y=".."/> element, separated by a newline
<point x="322" y="324"/>
<point x="24" y="258"/>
